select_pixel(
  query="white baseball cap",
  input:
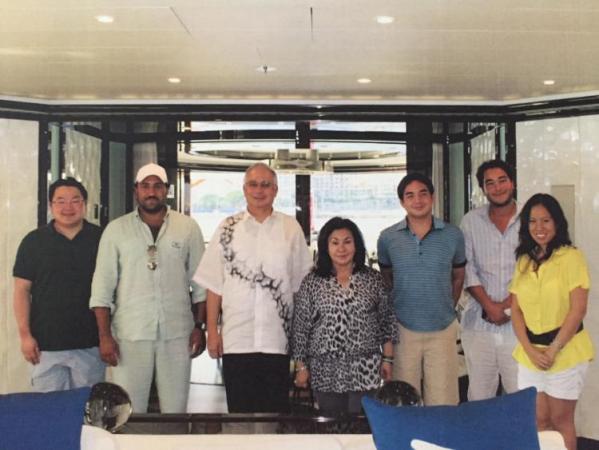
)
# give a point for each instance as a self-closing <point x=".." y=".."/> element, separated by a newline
<point x="149" y="170"/>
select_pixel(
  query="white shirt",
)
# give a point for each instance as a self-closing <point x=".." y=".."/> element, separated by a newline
<point x="490" y="263"/>
<point x="256" y="268"/>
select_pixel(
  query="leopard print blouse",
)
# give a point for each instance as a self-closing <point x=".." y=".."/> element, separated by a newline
<point x="338" y="332"/>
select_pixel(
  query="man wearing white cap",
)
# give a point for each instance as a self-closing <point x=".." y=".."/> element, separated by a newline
<point x="141" y="296"/>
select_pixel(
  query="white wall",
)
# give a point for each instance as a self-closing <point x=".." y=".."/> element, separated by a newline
<point x="564" y="152"/>
<point x="18" y="215"/>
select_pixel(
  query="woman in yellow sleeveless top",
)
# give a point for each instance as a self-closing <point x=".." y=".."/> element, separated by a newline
<point x="550" y="290"/>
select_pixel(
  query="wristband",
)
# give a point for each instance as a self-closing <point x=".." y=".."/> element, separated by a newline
<point x="200" y="325"/>
<point x="557" y="344"/>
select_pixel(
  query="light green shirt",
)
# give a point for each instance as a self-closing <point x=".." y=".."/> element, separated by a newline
<point x="146" y="304"/>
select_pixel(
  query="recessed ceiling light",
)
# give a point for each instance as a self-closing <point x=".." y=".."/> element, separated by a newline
<point x="105" y="19"/>
<point x="549" y="82"/>
<point x="385" y="20"/>
<point x="174" y="80"/>
<point x="364" y="80"/>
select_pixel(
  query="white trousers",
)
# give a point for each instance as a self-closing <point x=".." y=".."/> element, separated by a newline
<point x="170" y="358"/>
<point x="489" y="356"/>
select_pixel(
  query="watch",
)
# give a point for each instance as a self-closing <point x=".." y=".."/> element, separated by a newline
<point x="200" y="325"/>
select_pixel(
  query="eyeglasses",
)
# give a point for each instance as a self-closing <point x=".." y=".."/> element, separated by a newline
<point x="152" y="264"/>
<point x="262" y="184"/>
<point x="62" y="202"/>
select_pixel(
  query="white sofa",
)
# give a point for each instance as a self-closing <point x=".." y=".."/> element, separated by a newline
<point x="96" y="439"/>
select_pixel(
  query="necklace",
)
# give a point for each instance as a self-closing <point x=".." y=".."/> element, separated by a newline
<point x="344" y="282"/>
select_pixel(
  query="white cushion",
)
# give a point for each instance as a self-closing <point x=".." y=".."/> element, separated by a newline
<point x="417" y="444"/>
<point x="551" y="440"/>
<point x="94" y="438"/>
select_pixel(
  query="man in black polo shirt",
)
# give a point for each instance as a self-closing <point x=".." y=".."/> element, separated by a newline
<point x="52" y="281"/>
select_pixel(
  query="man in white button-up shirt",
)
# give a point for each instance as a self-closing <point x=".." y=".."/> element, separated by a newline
<point x="491" y="236"/>
<point x="253" y="265"/>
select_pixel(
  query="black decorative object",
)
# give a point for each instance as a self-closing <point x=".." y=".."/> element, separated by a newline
<point x="398" y="393"/>
<point x="108" y="407"/>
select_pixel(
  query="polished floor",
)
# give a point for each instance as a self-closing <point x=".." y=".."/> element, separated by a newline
<point x="206" y="391"/>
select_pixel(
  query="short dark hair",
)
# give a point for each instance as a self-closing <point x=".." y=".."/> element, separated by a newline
<point x="414" y="176"/>
<point x="493" y="164"/>
<point x="69" y="182"/>
<point x="527" y="245"/>
<point x="324" y="265"/>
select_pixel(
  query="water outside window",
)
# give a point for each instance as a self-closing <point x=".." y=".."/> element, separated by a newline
<point x="369" y="199"/>
<point x="216" y="195"/>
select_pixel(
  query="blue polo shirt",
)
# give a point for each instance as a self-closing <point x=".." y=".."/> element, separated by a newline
<point x="422" y="291"/>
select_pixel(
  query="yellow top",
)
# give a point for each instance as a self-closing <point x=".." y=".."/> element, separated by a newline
<point x="544" y="298"/>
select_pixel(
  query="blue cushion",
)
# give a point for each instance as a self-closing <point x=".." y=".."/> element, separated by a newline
<point x="501" y="423"/>
<point x="35" y="421"/>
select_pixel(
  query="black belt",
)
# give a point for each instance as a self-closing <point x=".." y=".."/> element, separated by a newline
<point x="548" y="337"/>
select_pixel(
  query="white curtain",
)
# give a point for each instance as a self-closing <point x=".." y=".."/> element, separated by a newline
<point x="437" y="179"/>
<point x="482" y="149"/>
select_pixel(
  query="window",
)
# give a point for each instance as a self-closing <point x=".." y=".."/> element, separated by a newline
<point x="369" y="199"/>
<point x="216" y="195"/>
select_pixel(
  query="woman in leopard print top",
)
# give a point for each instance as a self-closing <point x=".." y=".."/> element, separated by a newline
<point x="343" y="318"/>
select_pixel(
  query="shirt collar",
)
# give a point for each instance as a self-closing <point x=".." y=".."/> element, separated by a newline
<point x="52" y="230"/>
<point x="484" y="211"/>
<point x="560" y="251"/>
<point x="51" y="227"/>
<point x="247" y="217"/>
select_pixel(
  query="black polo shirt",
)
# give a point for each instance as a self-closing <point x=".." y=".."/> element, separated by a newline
<point x="61" y="273"/>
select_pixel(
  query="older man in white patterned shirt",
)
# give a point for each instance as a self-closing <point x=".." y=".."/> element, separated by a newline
<point x="253" y="265"/>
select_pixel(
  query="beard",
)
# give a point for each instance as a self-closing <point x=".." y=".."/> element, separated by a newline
<point x="501" y="204"/>
<point x="152" y="208"/>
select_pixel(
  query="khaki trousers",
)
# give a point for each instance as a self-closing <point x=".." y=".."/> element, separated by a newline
<point x="429" y="362"/>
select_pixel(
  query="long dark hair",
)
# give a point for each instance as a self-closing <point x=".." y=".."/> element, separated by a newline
<point x="324" y="265"/>
<point x="527" y="244"/>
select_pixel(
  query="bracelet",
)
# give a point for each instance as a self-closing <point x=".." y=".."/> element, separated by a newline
<point x="557" y="344"/>
<point x="301" y="369"/>
<point x="388" y="359"/>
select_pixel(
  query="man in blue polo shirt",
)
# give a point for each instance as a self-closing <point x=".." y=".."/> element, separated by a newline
<point x="424" y="258"/>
